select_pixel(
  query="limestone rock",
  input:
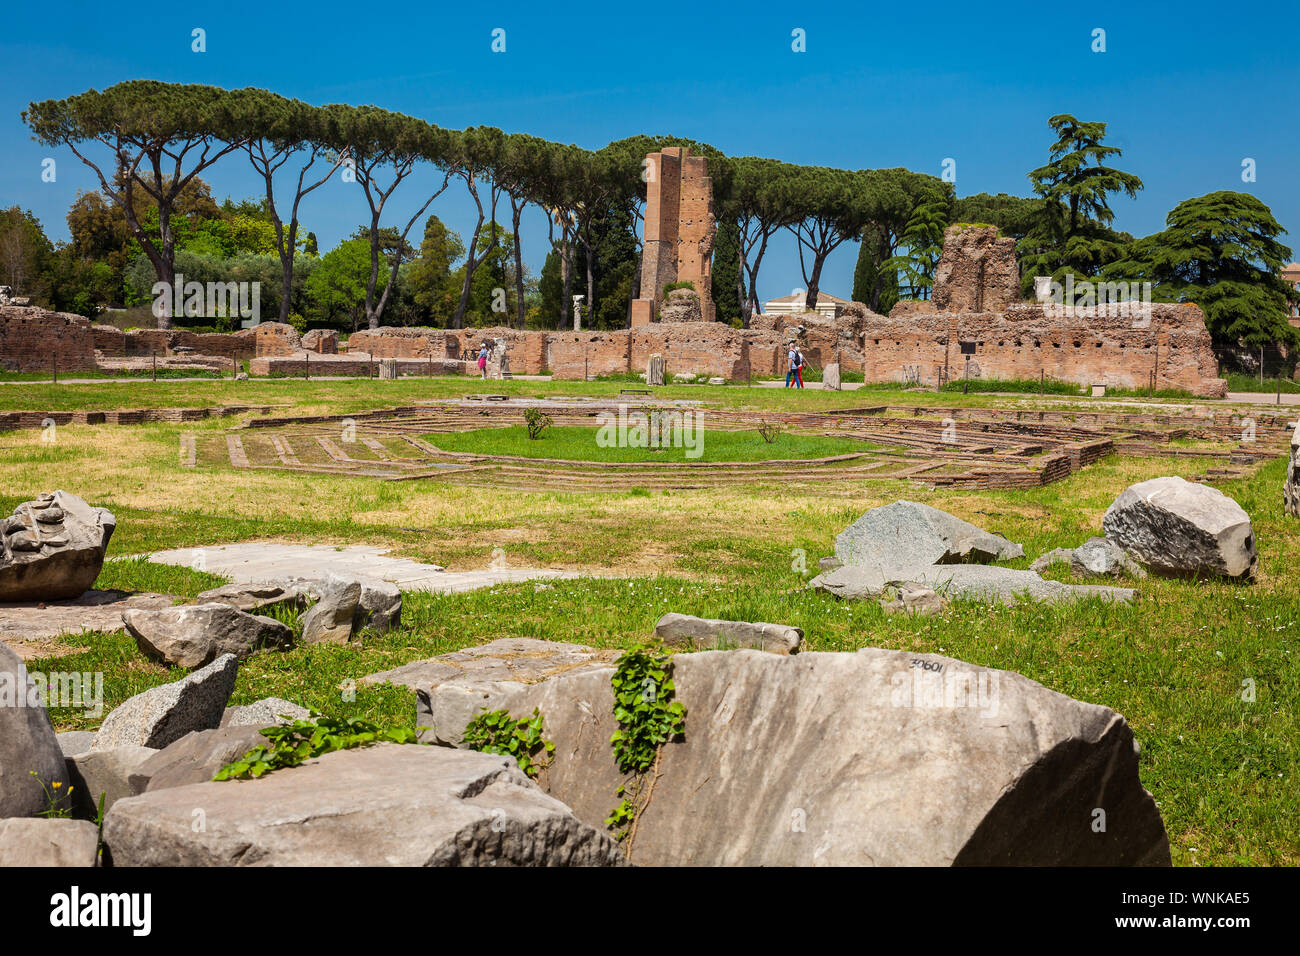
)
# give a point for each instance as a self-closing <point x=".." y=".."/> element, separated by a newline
<point x="461" y="675"/>
<point x="717" y="380"/>
<point x="1179" y="528"/>
<point x="27" y="742"/>
<point x="905" y="536"/>
<point x="701" y="633"/>
<point x="384" y="805"/>
<point x="163" y="715"/>
<point x="195" y="758"/>
<point x="104" y="771"/>
<point x="654" y="370"/>
<point x="850" y="582"/>
<point x="981" y="582"/>
<point x="52" y="548"/>
<point x="911" y="598"/>
<point x="380" y="606"/>
<point x="329" y="620"/>
<point x="831" y="376"/>
<point x="1100" y="556"/>
<point x="388" y="368"/>
<point x="264" y="713"/>
<point x="196" y="634"/>
<point x="250" y="596"/>
<point x="1049" y="558"/>
<point x="829" y="563"/>
<point x="1291" y="487"/>
<point x="48" y="842"/>
<point x="931" y="762"/>
<point x="73" y="742"/>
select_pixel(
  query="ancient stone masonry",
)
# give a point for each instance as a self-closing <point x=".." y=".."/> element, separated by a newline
<point x="37" y="340"/>
<point x="977" y="271"/>
<point x="679" y="232"/>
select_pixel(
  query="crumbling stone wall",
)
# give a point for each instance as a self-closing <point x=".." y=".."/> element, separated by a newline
<point x="1026" y="342"/>
<point x="37" y="340"/>
<point x="977" y="271"/>
<point x="321" y="341"/>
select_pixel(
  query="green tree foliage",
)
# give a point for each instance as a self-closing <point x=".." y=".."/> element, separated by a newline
<point x="726" y="271"/>
<point x="337" y="286"/>
<point x="1071" y="232"/>
<point x="25" y="254"/>
<point x="1013" y="215"/>
<point x="431" y="282"/>
<point x="1220" y="251"/>
<point x="923" y="239"/>
<point x="870" y="280"/>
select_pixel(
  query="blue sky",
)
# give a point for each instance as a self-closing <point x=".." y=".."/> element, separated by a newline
<point x="1189" y="89"/>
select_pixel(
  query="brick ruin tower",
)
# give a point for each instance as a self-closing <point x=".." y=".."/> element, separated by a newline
<point x="679" y="231"/>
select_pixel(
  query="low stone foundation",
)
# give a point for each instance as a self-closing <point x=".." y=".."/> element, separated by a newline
<point x="37" y="340"/>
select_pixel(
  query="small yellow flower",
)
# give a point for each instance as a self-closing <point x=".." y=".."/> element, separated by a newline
<point x="56" y="785"/>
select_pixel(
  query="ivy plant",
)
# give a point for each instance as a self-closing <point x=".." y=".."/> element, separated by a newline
<point x="292" y="744"/>
<point x="496" y="732"/>
<point x="647" y="717"/>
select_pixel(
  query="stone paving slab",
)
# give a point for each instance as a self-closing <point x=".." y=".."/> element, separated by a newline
<point x="265" y="561"/>
<point x="28" y="628"/>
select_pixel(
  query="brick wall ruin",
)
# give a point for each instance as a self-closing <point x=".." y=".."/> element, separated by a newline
<point x="975" y="325"/>
<point x="679" y="232"/>
<point x="977" y="271"/>
<point x="37" y="340"/>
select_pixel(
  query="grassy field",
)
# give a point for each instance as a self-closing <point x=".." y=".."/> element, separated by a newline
<point x="574" y="443"/>
<point x="1222" y="769"/>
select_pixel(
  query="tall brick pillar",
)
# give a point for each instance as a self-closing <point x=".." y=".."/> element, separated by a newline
<point x="679" y="232"/>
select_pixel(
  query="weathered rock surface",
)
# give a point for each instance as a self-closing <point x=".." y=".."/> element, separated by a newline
<point x="851" y="582"/>
<point x="1049" y="558"/>
<point x="163" y="715"/>
<point x="264" y="713"/>
<point x="980" y="582"/>
<point x="1291" y="486"/>
<point x="196" y="634"/>
<point x="704" y="633"/>
<point x="329" y="620"/>
<point x="52" y="548"/>
<point x="1101" y="556"/>
<point x="467" y="676"/>
<point x="195" y="758"/>
<point x="385" y="805"/>
<point x="250" y="596"/>
<point x="829" y="563"/>
<point x="27" y="742"/>
<point x="654" y="370"/>
<point x="911" y="598"/>
<point x="906" y="535"/>
<point x="73" y="742"/>
<point x="1176" y="527"/>
<point x="104" y="771"/>
<point x="988" y="583"/>
<point x="875" y="757"/>
<point x="38" y="841"/>
<point x="831" y="376"/>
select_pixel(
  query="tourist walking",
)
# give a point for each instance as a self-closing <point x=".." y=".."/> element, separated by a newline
<point x="795" y="360"/>
<point x="482" y="361"/>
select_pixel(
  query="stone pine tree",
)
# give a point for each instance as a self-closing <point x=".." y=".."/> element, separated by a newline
<point x="282" y="131"/>
<point x="1220" y="251"/>
<point x="158" y="136"/>
<point x="384" y="150"/>
<point x="1072" y="231"/>
<point x="823" y="209"/>
<point x="756" y="203"/>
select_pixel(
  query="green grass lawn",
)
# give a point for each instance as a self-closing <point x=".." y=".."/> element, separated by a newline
<point x="575" y="443"/>
<point x="1222" y="768"/>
